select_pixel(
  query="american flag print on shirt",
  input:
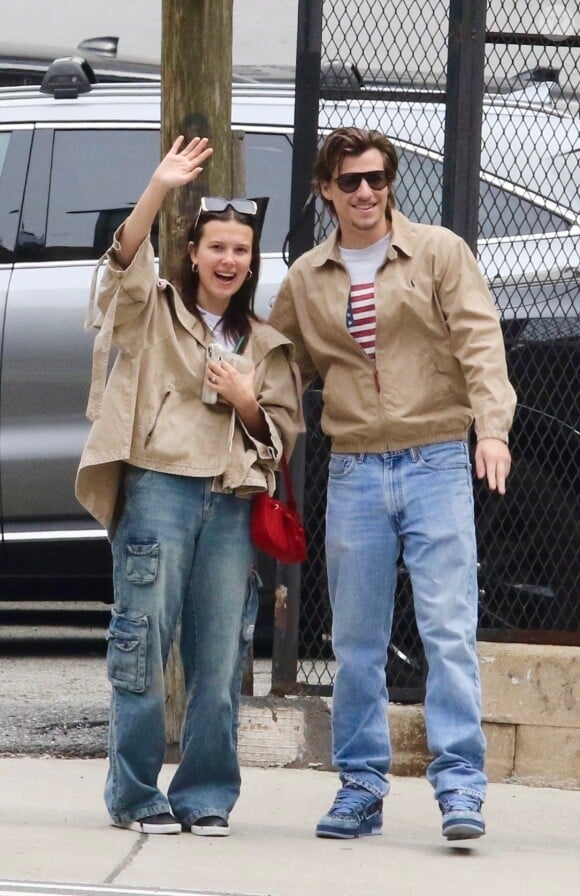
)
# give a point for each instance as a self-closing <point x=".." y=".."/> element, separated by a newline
<point x="361" y="316"/>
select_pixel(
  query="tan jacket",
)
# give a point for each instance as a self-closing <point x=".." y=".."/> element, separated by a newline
<point x="150" y="413"/>
<point x="440" y="358"/>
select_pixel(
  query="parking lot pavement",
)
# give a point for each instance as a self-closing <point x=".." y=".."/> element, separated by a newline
<point x="54" y="828"/>
<point x="55" y="701"/>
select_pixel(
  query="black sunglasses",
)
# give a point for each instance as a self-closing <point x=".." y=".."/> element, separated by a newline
<point x="348" y="183"/>
<point x="218" y="204"/>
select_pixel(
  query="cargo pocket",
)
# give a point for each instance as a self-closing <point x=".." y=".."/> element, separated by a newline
<point x="142" y="563"/>
<point x="127" y="652"/>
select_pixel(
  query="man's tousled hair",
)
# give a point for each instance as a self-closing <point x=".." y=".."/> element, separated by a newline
<point x="351" y="141"/>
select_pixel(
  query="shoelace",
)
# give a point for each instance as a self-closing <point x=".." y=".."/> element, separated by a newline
<point x="459" y="802"/>
<point x="350" y="799"/>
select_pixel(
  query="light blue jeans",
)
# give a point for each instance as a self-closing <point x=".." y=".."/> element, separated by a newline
<point x="421" y="501"/>
<point x="180" y="553"/>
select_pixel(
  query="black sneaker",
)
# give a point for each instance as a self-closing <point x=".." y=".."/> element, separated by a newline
<point x="211" y="826"/>
<point x="164" y="823"/>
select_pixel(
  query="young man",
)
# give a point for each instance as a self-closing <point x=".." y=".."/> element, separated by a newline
<point x="397" y="320"/>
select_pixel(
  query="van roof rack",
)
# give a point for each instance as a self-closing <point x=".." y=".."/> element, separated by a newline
<point x="68" y="76"/>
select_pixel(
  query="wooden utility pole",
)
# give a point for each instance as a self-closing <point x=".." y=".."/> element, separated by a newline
<point x="196" y="91"/>
<point x="196" y="96"/>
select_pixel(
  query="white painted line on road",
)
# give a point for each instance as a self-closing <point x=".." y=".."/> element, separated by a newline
<point x="34" y="888"/>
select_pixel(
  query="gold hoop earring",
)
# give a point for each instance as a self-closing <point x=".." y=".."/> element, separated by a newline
<point x="249" y="275"/>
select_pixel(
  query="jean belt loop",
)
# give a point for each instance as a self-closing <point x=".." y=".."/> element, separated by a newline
<point x="414" y="453"/>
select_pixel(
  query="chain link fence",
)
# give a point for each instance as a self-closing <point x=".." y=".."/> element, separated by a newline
<point x="388" y="66"/>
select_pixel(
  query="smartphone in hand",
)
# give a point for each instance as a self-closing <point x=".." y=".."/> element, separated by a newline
<point x="213" y="352"/>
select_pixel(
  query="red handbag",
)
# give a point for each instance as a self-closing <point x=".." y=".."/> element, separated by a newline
<point x="276" y="527"/>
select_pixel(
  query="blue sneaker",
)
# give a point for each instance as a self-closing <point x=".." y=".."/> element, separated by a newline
<point x="356" y="812"/>
<point x="462" y="818"/>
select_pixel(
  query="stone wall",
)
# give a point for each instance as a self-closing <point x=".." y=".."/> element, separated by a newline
<point x="531" y="709"/>
<point x="531" y="712"/>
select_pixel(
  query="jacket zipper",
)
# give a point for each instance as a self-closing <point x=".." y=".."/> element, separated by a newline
<point x="372" y="363"/>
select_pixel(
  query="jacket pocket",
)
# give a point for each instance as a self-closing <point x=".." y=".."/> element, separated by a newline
<point x="142" y="563"/>
<point x="128" y="639"/>
<point x="157" y="414"/>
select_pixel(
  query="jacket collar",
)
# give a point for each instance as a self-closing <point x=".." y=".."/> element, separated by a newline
<point x="263" y="338"/>
<point x="188" y="320"/>
<point x="401" y="242"/>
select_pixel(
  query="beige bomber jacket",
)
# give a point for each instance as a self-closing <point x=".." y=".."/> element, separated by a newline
<point x="440" y="357"/>
<point x="149" y="411"/>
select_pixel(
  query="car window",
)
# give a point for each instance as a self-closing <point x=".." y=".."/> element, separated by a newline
<point x="418" y="187"/>
<point x="14" y="154"/>
<point x="268" y="160"/>
<point x="4" y="141"/>
<point x="89" y="198"/>
<point x="539" y="299"/>
<point x="97" y="176"/>
<point x="501" y="213"/>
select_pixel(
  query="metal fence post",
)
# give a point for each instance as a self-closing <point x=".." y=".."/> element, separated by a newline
<point x="287" y="600"/>
<point x="465" y="88"/>
<point x="308" y="51"/>
<point x="308" y="54"/>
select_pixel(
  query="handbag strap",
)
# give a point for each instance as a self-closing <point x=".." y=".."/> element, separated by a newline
<point x="288" y="483"/>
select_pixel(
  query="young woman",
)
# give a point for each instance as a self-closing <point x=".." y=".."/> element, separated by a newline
<point x="170" y="477"/>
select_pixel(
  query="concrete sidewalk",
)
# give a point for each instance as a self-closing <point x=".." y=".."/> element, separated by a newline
<point x="54" y="828"/>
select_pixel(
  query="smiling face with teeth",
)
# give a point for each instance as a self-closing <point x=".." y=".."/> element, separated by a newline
<point x="223" y="257"/>
<point x="362" y="214"/>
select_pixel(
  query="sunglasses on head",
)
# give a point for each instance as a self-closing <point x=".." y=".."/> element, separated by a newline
<point x="348" y="183"/>
<point x="218" y="204"/>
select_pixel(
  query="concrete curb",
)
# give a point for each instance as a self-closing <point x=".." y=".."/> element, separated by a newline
<point x="531" y="722"/>
<point x="295" y="732"/>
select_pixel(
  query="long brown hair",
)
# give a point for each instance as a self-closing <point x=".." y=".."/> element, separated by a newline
<point x="240" y="311"/>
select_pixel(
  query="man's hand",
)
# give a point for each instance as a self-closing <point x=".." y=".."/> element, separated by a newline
<point x="493" y="461"/>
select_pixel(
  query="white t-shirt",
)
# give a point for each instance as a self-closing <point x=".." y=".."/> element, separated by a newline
<point x="361" y="316"/>
<point x="214" y="323"/>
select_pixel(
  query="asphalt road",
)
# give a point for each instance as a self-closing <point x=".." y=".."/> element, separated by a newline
<point x="54" y="691"/>
<point x="53" y="705"/>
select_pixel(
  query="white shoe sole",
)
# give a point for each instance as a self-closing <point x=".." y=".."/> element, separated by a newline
<point x="463" y="832"/>
<point x="210" y="831"/>
<point x="143" y="827"/>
